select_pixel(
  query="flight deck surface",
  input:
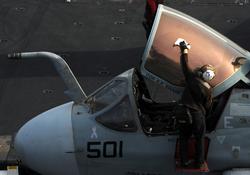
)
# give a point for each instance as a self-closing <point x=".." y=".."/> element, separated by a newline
<point x="98" y="38"/>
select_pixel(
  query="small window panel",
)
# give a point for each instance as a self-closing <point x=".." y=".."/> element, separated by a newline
<point x="120" y="117"/>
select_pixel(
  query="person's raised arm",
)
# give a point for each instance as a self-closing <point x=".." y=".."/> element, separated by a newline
<point x="184" y="47"/>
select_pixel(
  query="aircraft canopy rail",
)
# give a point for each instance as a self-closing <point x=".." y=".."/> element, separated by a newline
<point x="160" y="61"/>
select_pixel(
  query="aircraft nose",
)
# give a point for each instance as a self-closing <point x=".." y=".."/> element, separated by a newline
<point x="45" y="143"/>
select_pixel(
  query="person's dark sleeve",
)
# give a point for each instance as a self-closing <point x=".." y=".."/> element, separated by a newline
<point x="191" y="81"/>
<point x="188" y="74"/>
<point x="209" y="100"/>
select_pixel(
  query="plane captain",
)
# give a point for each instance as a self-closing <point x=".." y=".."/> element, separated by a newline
<point x="197" y="99"/>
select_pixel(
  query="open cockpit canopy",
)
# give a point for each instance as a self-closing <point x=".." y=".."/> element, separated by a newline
<point x="161" y="60"/>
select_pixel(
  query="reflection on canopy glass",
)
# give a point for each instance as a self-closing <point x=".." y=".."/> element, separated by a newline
<point x="207" y="47"/>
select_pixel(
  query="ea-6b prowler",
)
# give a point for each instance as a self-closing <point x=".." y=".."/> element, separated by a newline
<point x="119" y="130"/>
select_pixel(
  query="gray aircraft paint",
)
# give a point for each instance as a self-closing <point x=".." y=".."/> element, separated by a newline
<point x="138" y="149"/>
<point x="235" y="112"/>
<point x="64" y="133"/>
<point x="50" y="133"/>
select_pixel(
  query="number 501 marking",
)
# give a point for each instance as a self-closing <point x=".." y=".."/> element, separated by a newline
<point x="108" y="149"/>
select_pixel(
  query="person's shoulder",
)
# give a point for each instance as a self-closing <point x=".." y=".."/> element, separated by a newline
<point x="203" y="83"/>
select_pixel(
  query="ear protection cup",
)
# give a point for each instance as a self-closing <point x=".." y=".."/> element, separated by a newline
<point x="208" y="75"/>
<point x="206" y="72"/>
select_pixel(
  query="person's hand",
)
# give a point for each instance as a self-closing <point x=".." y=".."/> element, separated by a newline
<point x="182" y="44"/>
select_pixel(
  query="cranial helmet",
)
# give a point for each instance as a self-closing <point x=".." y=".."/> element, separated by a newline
<point x="207" y="72"/>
